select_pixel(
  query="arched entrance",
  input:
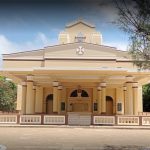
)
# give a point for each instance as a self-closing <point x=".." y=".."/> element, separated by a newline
<point x="79" y="101"/>
<point x="109" y="105"/>
<point x="49" y="104"/>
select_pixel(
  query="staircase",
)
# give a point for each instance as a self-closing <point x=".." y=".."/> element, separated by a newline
<point x="83" y="119"/>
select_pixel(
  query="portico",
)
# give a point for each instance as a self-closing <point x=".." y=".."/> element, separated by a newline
<point x="87" y="91"/>
<point x="77" y="76"/>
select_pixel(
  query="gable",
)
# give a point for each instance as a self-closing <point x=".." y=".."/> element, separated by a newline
<point x="80" y="22"/>
<point x="83" y="51"/>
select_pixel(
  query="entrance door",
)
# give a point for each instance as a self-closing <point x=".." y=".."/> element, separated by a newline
<point x="49" y="104"/>
<point x="80" y="107"/>
<point x="109" y="105"/>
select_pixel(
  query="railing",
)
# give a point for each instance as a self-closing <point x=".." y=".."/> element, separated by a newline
<point x="50" y="119"/>
<point x="30" y="119"/>
<point x="144" y="113"/>
<point x="76" y="120"/>
<point x="145" y="121"/>
<point x="8" y="119"/>
<point x="105" y="120"/>
<point x="128" y="120"/>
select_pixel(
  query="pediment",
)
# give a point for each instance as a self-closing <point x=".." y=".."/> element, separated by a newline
<point x="70" y="51"/>
<point x="25" y="55"/>
<point x="83" y="51"/>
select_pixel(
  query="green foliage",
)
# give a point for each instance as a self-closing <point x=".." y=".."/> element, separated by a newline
<point x="146" y="97"/>
<point x="134" y="18"/>
<point x="8" y="94"/>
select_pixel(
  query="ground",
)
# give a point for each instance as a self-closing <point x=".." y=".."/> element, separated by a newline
<point x="73" y="138"/>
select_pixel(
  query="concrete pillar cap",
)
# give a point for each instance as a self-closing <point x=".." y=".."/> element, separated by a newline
<point x="102" y="84"/>
<point x="124" y="88"/>
<point x="129" y="78"/>
<point x="34" y="87"/>
<point x="135" y="84"/>
<point x="30" y="78"/>
<point x="55" y="83"/>
<point x="99" y="88"/>
<point x="24" y="83"/>
<point x="60" y="87"/>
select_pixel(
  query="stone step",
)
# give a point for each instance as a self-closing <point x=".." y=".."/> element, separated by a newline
<point x="78" y="119"/>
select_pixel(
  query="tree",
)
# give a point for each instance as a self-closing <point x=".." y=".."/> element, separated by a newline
<point x="146" y="98"/>
<point x="8" y="94"/>
<point x="134" y="18"/>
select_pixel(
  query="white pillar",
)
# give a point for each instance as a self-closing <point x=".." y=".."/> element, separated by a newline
<point x="55" y="96"/>
<point x="30" y="96"/>
<point x="99" y="97"/>
<point x="129" y="102"/>
<point x="103" y="96"/>
<point x="24" y="91"/>
<point x="39" y="99"/>
<point x="129" y="95"/>
<point x="140" y="99"/>
<point x="59" y="98"/>
<point x="125" y="100"/>
<point x="135" y="98"/>
<point x="119" y="100"/>
<point x="19" y="97"/>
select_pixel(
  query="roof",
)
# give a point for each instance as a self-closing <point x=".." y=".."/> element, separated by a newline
<point x="80" y="21"/>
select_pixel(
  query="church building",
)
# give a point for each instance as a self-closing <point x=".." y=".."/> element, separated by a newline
<point x="80" y="75"/>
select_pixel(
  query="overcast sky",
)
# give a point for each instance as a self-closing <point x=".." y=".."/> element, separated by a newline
<point x="33" y="24"/>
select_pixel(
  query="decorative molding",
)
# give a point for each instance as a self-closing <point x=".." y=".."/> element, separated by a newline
<point x="80" y="50"/>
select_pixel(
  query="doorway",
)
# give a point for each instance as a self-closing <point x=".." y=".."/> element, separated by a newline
<point x="49" y="104"/>
<point x="109" y="105"/>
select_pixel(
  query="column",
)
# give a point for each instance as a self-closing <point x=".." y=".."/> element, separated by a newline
<point x="24" y="91"/>
<point x="140" y="99"/>
<point x="119" y="101"/>
<point x="30" y="96"/>
<point x="135" y="98"/>
<point x="55" y="96"/>
<point x="19" y="96"/>
<point x="99" y="94"/>
<point x="60" y="87"/>
<point x="125" y="100"/>
<point x="94" y="99"/>
<point x="129" y="95"/>
<point x="39" y="99"/>
<point x="103" y="96"/>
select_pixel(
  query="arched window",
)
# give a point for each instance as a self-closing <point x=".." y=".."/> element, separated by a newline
<point x="75" y="93"/>
<point x="109" y="98"/>
<point x="49" y="97"/>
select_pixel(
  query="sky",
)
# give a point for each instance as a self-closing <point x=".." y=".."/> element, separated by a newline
<point x="33" y="24"/>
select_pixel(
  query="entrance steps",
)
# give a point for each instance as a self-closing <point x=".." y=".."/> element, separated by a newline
<point x="82" y="119"/>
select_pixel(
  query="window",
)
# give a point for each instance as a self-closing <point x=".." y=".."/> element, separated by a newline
<point x="80" y="37"/>
<point x="119" y="107"/>
<point x="76" y="92"/>
<point x="49" y="97"/>
<point x="62" y="106"/>
<point x="95" y="106"/>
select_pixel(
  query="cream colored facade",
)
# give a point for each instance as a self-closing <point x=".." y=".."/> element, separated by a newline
<point x="78" y="75"/>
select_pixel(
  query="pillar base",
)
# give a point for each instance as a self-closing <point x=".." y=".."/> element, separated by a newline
<point x="103" y="113"/>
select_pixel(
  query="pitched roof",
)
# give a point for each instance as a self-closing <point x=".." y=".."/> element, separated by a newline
<point x="80" y="21"/>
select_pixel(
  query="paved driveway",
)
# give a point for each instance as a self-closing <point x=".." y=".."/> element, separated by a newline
<point x="74" y="138"/>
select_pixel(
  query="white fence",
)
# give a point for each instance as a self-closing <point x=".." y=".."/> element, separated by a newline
<point x="146" y="121"/>
<point x="81" y="120"/>
<point x="54" y="119"/>
<point x="8" y="119"/>
<point x="106" y="120"/>
<point x="30" y="119"/>
<point x="128" y="120"/>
